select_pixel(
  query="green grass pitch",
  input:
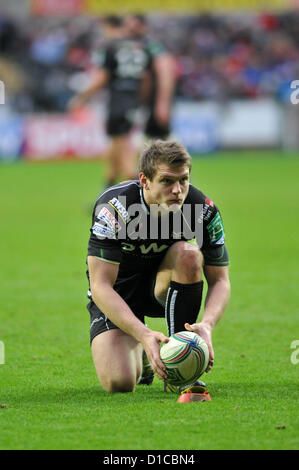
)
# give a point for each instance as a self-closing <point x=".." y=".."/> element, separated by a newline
<point x="50" y="397"/>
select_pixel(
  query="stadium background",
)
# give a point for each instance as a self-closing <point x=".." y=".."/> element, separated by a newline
<point x="234" y="69"/>
<point x="233" y="110"/>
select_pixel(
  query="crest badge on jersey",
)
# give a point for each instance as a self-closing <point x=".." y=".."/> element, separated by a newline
<point x="216" y="230"/>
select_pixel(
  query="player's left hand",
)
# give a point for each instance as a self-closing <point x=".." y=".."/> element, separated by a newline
<point x="151" y="344"/>
<point x="75" y="103"/>
<point x="205" y="331"/>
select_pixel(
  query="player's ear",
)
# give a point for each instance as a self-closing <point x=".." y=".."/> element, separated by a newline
<point x="143" y="180"/>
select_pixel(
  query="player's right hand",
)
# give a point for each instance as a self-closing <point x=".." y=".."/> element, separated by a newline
<point x="151" y="344"/>
<point x="75" y="103"/>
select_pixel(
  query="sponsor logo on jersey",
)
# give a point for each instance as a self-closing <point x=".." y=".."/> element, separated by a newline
<point x="216" y="230"/>
<point x="209" y="202"/>
<point x="153" y="247"/>
<point x="106" y="216"/>
<point x="101" y="231"/>
<point x="206" y="213"/>
<point x="131" y="60"/>
<point x="120" y="209"/>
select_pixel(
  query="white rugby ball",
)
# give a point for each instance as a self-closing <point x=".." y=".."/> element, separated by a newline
<point x="186" y="357"/>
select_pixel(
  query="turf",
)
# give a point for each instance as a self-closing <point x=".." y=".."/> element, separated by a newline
<point x="49" y="394"/>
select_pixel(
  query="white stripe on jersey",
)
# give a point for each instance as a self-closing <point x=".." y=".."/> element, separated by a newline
<point x="117" y="186"/>
<point x="142" y="201"/>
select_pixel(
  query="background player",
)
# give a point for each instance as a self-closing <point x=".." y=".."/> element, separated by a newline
<point x="121" y="67"/>
<point x="134" y="276"/>
<point x="160" y="85"/>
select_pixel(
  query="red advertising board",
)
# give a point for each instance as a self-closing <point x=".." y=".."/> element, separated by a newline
<point x="57" y="7"/>
<point x="66" y="136"/>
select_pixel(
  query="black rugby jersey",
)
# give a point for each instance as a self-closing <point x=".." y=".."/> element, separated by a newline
<point x="126" y="60"/>
<point x="125" y="231"/>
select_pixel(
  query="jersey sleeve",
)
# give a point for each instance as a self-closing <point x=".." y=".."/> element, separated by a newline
<point x="156" y="49"/>
<point x="216" y="255"/>
<point x="213" y="248"/>
<point x="103" y="241"/>
<point x="212" y="234"/>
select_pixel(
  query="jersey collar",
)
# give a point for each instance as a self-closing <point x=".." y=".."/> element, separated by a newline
<point x="143" y="203"/>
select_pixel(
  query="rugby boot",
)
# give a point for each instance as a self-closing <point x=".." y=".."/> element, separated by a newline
<point x="147" y="376"/>
<point x="196" y="387"/>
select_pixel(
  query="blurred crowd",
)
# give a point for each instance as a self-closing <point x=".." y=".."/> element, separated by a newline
<point x="44" y="61"/>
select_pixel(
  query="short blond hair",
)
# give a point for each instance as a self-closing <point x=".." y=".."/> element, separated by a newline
<point x="169" y="153"/>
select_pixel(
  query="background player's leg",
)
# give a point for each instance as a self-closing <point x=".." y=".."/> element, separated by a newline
<point x="121" y="159"/>
<point x="118" y="360"/>
<point x="111" y="162"/>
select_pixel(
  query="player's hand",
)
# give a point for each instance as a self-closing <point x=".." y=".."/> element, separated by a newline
<point x="75" y="103"/>
<point x="151" y="344"/>
<point x="205" y="331"/>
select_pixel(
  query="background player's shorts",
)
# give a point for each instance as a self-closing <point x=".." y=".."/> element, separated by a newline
<point x="118" y="125"/>
<point x="138" y="292"/>
<point x="154" y="129"/>
<point x="121" y="113"/>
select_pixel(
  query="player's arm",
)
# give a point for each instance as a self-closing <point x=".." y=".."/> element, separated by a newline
<point x="102" y="276"/>
<point x="218" y="294"/>
<point x="216" y="261"/>
<point x="164" y="66"/>
<point x="217" y="298"/>
<point x="145" y="88"/>
<point x="99" y="80"/>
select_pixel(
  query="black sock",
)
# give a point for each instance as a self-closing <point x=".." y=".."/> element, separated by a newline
<point x="182" y="305"/>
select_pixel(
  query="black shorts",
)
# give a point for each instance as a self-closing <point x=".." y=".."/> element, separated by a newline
<point x="122" y="110"/>
<point x="155" y="130"/>
<point x="138" y="292"/>
<point x="118" y="125"/>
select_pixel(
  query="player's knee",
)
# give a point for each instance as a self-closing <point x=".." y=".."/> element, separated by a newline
<point x="188" y="260"/>
<point x="120" y="384"/>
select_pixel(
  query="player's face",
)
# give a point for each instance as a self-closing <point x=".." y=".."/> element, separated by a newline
<point x="168" y="188"/>
<point x="134" y="27"/>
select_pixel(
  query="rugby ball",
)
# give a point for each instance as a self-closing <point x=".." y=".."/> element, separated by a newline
<point x="185" y="356"/>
